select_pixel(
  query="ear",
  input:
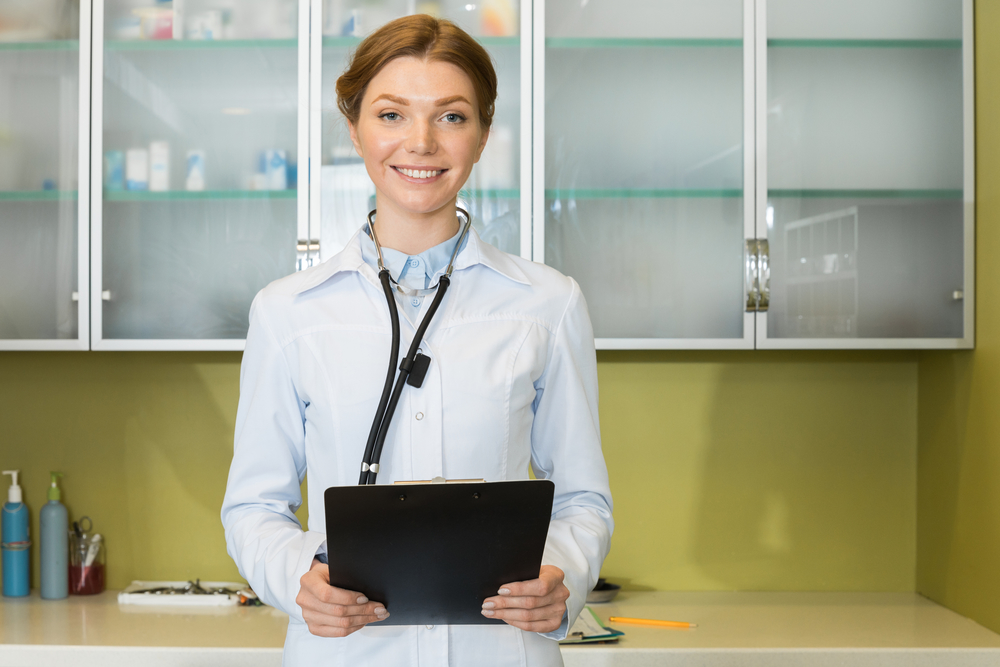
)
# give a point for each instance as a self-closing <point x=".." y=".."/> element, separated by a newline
<point x="482" y="145"/>
<point x="354" y="139"/>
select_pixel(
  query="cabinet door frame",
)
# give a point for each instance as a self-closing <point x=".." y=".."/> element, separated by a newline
<point x="315" y="67"/>
<point x="96" y="129"/>
<point x="968" y="189"/>
<point x="746" y="342"/>
<point x="82" y="340"/>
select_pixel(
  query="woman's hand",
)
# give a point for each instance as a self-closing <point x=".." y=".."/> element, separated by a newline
<point x="536" y="606"/>
<point x="331" y="611"/>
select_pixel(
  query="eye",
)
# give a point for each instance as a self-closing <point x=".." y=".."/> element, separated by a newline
<point x="454" y="117"/>
<point x="389" y="115"/>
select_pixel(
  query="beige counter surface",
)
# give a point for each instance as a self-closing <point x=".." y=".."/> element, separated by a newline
<point x="747" y="629"/>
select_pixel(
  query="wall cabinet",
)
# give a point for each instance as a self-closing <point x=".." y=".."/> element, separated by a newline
<point x="716" y="174"/>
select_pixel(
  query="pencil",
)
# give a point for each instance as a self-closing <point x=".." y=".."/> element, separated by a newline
<point x="652" y="621"/>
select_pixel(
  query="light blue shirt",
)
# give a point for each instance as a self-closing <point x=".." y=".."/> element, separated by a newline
<point x="512" y="387"/>
<point x="413" y="272"/>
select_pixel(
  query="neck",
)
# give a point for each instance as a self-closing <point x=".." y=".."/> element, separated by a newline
<point x="412" y="234"/>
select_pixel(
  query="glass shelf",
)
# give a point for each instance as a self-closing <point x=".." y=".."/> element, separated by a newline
<point x="490" y="194"/>
<point x="690" y="193"/>
<point x="183" y="195"/>
<point x="52" y="45"/>
<point x="645" y="42"/>
<point x="196" y="44"/>
<point x="867" y="194"/>
<point x="866" y="43"/>
<point x="38" y="195"/>
<point x="351" y="42"/>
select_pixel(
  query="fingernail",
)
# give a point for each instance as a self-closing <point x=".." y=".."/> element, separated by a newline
<point x="489" y="605"/>
<point x="380" y="611"/>
<point x="362" y="600"/>
<point x="487" y="612"/>
<point x="504" y="591"/>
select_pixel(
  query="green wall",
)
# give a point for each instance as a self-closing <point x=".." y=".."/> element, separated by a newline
<point x="746" y="470"/>
<point x="730" y="470"/>
<point x="958" y="504"/>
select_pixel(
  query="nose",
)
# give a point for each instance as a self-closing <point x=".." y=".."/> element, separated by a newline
<point x="421" y="139"/>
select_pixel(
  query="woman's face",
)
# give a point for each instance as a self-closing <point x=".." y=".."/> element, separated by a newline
<point x="419" y="134"/>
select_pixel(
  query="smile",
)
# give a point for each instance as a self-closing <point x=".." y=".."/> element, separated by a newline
<point x="420" y="174"/>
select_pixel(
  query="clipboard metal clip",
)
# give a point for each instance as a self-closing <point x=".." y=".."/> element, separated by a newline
<point x="441" y="480"/>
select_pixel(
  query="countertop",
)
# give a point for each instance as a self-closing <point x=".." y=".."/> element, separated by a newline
<point x="746" y="629"/>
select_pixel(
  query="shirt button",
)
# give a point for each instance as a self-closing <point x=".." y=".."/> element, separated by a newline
<point x="430" y="627"/>
<point x="414" y="262"/>
<point x="415" y="301"/>
<point x="419" y="416"/>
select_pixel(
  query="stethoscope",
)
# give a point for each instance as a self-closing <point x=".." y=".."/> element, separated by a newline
<point x="413" y="368"/>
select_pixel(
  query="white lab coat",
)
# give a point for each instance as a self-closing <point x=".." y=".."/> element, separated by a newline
<point x="512" y="383"/>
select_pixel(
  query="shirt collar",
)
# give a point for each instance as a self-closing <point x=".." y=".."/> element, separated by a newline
<point x="433" y="261"/>
<point x="351" y="258"/>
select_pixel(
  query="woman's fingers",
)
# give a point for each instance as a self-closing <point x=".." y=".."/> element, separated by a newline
<point x="552" y="611"/>
<point x="334" y="612"/>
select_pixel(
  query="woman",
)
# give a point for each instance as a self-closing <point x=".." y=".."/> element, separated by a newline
<point x="512" y="381"/>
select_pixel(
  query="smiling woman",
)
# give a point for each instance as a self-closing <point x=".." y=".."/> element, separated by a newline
<point x="509" y="379"/>
<point x="412" y="96"/>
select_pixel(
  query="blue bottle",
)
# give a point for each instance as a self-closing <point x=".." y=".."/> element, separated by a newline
<point x="54" y="552"/>
<point x="15" y="541"/>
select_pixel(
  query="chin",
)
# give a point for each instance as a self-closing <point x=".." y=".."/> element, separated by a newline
<point x="421" y="206"/>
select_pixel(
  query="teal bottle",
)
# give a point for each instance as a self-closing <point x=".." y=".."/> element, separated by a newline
<point x="54" y="552"/>
<point x="14" y="528"/>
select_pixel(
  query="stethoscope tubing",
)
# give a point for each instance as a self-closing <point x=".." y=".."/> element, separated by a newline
<point x="384" y="278"/>
<point x="404" y="372"/>
<point x="388" y="402"/>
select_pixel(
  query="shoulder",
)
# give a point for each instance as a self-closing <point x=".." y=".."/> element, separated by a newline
<point x="521" y="287"/>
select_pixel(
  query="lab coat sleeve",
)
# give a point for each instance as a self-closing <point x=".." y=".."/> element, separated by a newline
<point x="566" y="448"/>
<point x="263" y="536"/>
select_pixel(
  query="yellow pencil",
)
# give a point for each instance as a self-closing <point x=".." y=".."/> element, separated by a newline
<point x="652" y="621"/>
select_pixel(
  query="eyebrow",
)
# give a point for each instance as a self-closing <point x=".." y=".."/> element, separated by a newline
<point x="391" y="98"/>
<point x="444" y="101"/>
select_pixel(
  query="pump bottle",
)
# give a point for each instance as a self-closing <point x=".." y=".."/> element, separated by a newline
<point x="55" y="545"/>
<point x="15" y="541"/>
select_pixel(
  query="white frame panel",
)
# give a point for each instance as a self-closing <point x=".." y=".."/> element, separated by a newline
<point x="82" y="340"/>
<point x="315" y="92"/>
<point x="538" y="210"/>
<point x="527" y="125"/>
<point x="968" y="186"/>
<point x="315" y="65"/>
<point x="98" y="342"/>
<point x="532" y="180"/>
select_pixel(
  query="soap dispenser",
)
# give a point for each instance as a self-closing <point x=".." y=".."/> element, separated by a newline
<point x="14" y="529"/>
<point x="55" y="545"/>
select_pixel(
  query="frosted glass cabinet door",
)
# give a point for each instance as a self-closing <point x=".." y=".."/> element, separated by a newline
<point x="644" y="169"/>
<point x="868" y="203"/>
<point x="344" y="194"/>
<point x="44" y="48"/>
<point x="197" y="145"/>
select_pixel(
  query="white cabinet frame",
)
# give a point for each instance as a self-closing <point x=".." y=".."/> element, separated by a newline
<point x="538" y="207"/>
<point x="315" y="66"/>
<point x="96" y="129"/>
<point x="82" y="340"/>
<point x="532" y="180"/>
<point x="969" y="197"/>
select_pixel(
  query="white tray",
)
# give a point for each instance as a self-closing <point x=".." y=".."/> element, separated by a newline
<point x="129" y="596"/>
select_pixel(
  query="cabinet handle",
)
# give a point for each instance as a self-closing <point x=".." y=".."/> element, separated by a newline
<point x="764" y="275"/>
<point x="750" y="275"/>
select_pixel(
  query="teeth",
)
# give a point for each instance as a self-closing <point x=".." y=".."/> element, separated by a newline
<point x="420" y="173"/>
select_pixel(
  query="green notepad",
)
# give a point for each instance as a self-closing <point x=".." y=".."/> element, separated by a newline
<point x="588" y="628"/>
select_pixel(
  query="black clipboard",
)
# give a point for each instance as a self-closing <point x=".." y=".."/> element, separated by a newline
<point x="432" y="552"/>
